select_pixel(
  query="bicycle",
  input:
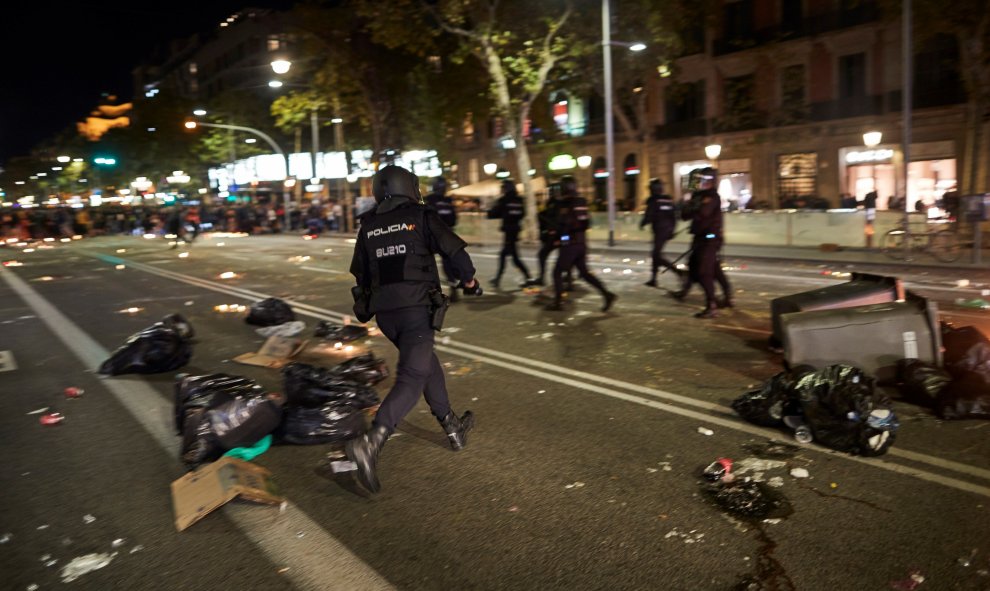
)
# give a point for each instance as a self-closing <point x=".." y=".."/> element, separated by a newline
<point x="942" y="244"/>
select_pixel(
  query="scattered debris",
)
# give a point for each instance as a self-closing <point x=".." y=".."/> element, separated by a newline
<point x="692" y="537"/>
<point x="5" y="538"/>
<point x="227" y="274"/>
<point x="38" y="411"/>
<point x="117" y="543"/>
<point x="577" y="484"/>
<point x="88" y="518"/>
<point x="910" y="583"/>
<point x="52" y="418"/>
<point x="705" y="431"/>
<point x="287" y="329"/>
<point x="799" y="473"/>
<point x="85" y="564"/>
<point x="978" y="303"/>
<point x="73" y="392"/>
<point x="135" y="549"/>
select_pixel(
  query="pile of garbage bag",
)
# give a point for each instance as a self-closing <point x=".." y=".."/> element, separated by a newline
<point x="836" y="406"/>
<point x="960" y="390"/>
<point x="341" y="333"/>
<point x="163" y="346"/>
<point x="269" y="312"/>
<point x="219" y="412"/>
<point x="323" y="405"/>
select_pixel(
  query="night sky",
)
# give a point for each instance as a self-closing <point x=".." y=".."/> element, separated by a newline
<point x="59" y="57"/>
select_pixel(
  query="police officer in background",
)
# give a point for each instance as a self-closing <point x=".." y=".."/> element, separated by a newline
<point x="661" y="216"/>
<point x="573" y="221"/>
<point x="397" y="282"/>
<point x="549" y="240"/>
<point x="704" y="265"/>
<point x="444" y="206"/>
<point x="510" y="209"/>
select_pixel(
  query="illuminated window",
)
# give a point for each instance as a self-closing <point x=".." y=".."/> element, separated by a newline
<point x="193" y="68"/>
<point x="274" y="43"/>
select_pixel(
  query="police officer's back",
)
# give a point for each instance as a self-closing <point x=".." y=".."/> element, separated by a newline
<point x="661" y="216"/>
<point x="397" y="282"/>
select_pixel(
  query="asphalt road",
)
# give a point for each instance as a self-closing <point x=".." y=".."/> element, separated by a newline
<point x="582" y="472"/>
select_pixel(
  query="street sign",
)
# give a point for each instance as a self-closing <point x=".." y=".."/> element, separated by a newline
<point x="7" y="362"/>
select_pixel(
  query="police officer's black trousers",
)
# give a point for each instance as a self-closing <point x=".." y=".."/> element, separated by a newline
<point x="658" y="258"/>
<point x="573" y="255"/>
<point x="702" y="267"/>
<point x="419" y="371"/>
<point x="509" y="249"/>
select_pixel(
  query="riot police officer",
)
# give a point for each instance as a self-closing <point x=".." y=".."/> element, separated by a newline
<point x="661" y="217"/>
<point x="397" y="282"/>
<point x="510" y="209"/>
<point x="573" y="221"/>
<point x="444" y="206"/>
<point x="704" y="265"/>
<point x="549" y="241"/>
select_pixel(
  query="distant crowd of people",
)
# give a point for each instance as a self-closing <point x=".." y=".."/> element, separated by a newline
<point x="60" y="222"/>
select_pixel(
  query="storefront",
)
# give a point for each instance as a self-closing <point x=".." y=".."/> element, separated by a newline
<point x="735" y="185"/>
<point x="931" y="173"/>
<point x="797" y="177"/>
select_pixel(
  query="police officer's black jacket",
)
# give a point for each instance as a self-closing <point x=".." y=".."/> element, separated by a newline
<point x="444" y="207"/>
<point x="660" y="214"/>
<point x="394" y="254"/>
<point x="547" y="219"/>
<point x="573" y="220"/>
<point x="705" y="213"/>
<point x="511" y="210"/>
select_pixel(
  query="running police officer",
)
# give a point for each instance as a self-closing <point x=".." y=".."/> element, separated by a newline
<point x="444" y="206"/>
<point x="573" y="220"/>
<point x="660" y="215"/>
<point x="704" y="265"/>
<point x="510" y="209"/>
<point x="397" y="282"/>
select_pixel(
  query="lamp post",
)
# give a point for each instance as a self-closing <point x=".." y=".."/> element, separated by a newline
<point x="871" y="140"/>
<point x="271" y="142"/>
<point x="713" y="151"/>
<point x="609" y="129"/>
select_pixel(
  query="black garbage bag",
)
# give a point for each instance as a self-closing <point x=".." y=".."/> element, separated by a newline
<point x="206" y="392"/>
<point x="844" y="412"/>
<point x="269" y="312"/>
<point x="163" y="346"/>
<point x="749" y="499"/>
<point x="311" y="386"/>
<point x="322" y="406"/>
<point x="966" y="350"/>
<point x="768" y="405"/>
<point x="219" y="412"/>
<point x="967" y="396"/>
<point x="332" y="422"/>
<point x="364" y="369"/>
<point x="921" y="382"/>
<point x="341" y="333"/>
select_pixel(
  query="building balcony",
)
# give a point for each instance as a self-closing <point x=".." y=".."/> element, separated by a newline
<point x="864" y="12"/>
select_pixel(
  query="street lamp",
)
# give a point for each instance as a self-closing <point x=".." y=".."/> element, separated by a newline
<point x="281" y="66"/>
<point x="271" y="142"/>
<point x="713" y="151"/>
<point x="607" y="44"/>
<point x="490" y="168"/>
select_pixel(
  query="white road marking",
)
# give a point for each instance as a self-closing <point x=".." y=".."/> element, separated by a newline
<point x="7" y="362"/>
<point x="318" y="563"/>
<point x="321" y="270"/>
<point x="543" y="370"/>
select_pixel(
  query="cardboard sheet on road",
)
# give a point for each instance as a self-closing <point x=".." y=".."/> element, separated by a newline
<point x="276" y="352"/>
<point x="199" y="493"/>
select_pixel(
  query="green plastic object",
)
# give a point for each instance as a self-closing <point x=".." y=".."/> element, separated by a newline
<point x="249" y="453"/>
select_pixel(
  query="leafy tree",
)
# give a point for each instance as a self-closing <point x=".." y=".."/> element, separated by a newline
<point x="517" y="44"/>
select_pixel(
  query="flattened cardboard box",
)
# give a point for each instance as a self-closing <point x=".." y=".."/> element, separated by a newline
<point x="276" y="352"/>
<point x="199" y="493"/>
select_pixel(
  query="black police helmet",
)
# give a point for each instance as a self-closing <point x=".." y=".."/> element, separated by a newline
<point x="439" y="185"/>
<point x="656" y="186"/>
<point x="392" y="181"/>
<point x="568" y="185"/>
<point x="508" y="187"/>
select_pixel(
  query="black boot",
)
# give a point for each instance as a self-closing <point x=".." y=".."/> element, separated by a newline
<point x="457" y="428"/>
<point x="609" y="300"/>
<point x="363" y="451"/>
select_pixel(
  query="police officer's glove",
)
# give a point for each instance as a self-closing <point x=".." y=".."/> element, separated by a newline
<point x="474" y="290"/>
